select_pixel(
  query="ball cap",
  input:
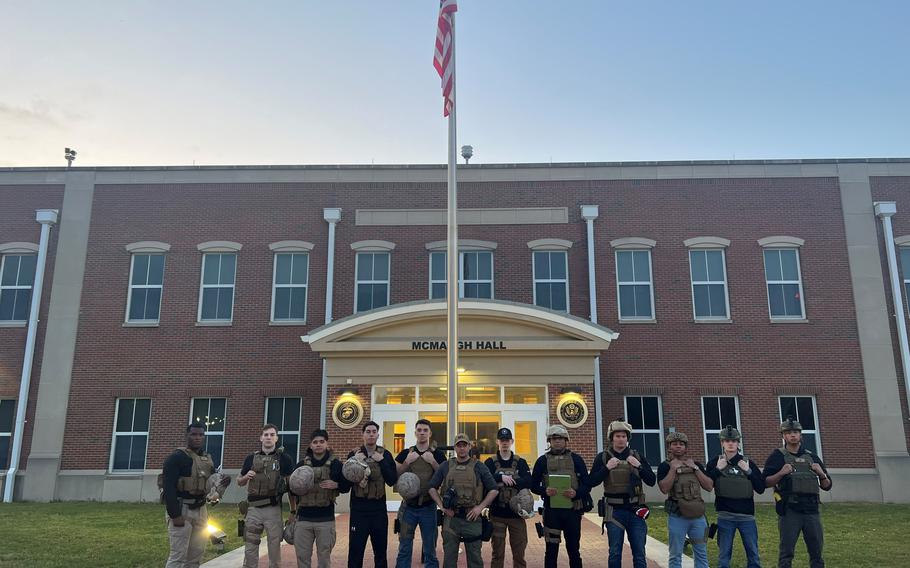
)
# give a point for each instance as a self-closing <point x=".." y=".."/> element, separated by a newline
<point x="462" y="438"/>
<point x="504" y="434"/>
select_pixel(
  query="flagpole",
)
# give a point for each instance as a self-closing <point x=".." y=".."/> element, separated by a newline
<point x="452" y="266"/>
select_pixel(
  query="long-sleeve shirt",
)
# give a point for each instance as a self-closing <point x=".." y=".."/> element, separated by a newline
<point x="538" y="478"/>
<point x="285" y="466"/>
<point x="327" y="513"/>
<point x="599" y="471"/>
<point x="737" y="506"/>
<point x="522" y="479"/>
<point x="389" y="476"/>
<point x="177" y="465"/>
<point x="775" y="463"/>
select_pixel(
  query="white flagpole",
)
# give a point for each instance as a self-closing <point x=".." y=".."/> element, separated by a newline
<point x="452" y="267"/>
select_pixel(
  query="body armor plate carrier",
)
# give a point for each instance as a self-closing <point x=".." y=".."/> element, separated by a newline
<point x="317" y="496"/>
<point x="685" y="494"/>
<point x="203" y="468"/>
<point x="507" y="492"/>
<point x="267" y="482"/>
<point x="563" y="464"/>
<point x="424" y="473"/>
<point x="619" y="486"/>
<point x="803" y="480"/>
<point x="733" y="483"/>
<point x="462" y="477"/>
<point x="375" y="486"/>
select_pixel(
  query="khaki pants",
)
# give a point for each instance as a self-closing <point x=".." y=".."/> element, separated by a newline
<point x="453" y="530"/>
<point x="518" y="540"/>
<point x="266" y="518"/>
<point x="308" y="532"/>
<point x="187" y="542"/>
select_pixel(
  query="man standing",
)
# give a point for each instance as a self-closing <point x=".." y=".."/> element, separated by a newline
<point x="682" y="479"/>
<point x="369" y="518"/>
<point x="623" y="471"/>
<point x="736" y="479"/>
<point x="796" y="475"/>
<point x="183" y="484"/>
<point x="316" y="509"/>
<point x="265" y="473"/>
<point x="467" y="489"/>
<point x="511" y="474"/>
<point x="561" y="478"/>
<point x="423" y="461"/>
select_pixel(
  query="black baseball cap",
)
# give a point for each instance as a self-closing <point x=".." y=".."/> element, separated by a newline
<point x="504" y="434"/>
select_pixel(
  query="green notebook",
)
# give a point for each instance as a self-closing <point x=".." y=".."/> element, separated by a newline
<point x="560" y="483"/>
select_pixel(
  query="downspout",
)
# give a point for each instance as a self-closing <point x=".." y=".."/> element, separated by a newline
<point x="884" y="210"/>
<point x="331" y="216"/>
<point x="46" y="217"/>
<point x="589" y="213"/>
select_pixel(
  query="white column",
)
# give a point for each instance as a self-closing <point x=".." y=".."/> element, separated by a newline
<point x="332" y="216"/>
<point x="589" y="213"/>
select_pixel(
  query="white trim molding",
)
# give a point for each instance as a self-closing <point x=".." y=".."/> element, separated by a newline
<point x="373" y="246"/>
<point x="633" y="243"/>
<point x="291" y="246"/>
<point x="781" y="241"/>
<point x="707" y="242"/>
<point x="219" y="246"/>
<point x="18" y="248"/>
<point x="147" y="246"/>
<point x="901" y="241"/>
<point x="549" y="244"/>
<point x="463" y="245"/>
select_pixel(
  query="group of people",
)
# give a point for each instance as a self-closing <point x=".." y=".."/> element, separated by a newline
<point x="476" y="501"/>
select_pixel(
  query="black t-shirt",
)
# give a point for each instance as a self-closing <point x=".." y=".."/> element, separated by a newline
<point x="440" y="458"/>
<point x="285" y="465"/>
<point x="741" y="506"/>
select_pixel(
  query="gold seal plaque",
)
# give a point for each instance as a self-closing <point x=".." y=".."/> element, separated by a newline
<point x="347" y="412"/>
<point x="572" y="411"/>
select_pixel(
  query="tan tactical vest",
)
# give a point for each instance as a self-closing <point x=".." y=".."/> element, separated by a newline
<point x="733" y="483"/>
<point x="507" y="492"/>
<point x="424" y="473"/>
<point x="268" y="474"/>
<point x="317" y="496"/>
<point x="561" y="464"/>
<point x="462" y="477"/>
<point x="375" y="488"/>
<point x="203" y="468"/>
<point x="686" y="492"/>
<point x="803" y="480"/>
<point x="618" y="482"/>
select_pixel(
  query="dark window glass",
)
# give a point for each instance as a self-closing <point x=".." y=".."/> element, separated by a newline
<point x="634" y="412"/>
<point x="712" y="413"/>
<point x="541" y="265"/>
<point x="125" y="415"/>
<point x="651" y="409"/>
<point x="438" y="290"/>
<point x="438" y="266"/>
<point x="283" y="269"/>
<point x="156" y="270"/>
<point x="5" y="442"/>
<point x="211" y="268"/>
<point x="380" y="266"/>
<point x="289" y="443"/>
<point x="365" y="266"/>
<point x="142" y="413"/>
<point x="140" y="269"/>
<point x="728" y="411"/>
<point x="7" y="415"/>
<point x="699" y="265"/>
<point x="642" y="265"/>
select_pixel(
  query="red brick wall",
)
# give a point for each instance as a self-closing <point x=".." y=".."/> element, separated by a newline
<point x="582" y="440"/>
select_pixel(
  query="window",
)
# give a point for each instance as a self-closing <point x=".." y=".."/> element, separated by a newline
<point x="395" y="395"/>
<point x="717" y="413"/>
<point x="803" y="409"/>
<point x="7" y="416"/>
<point x="289" y="288"/>
<point x="285" y="413"/>
<point x="785" y="287"/>
<point x="217" y="296"/>
<point x="372" y="280"/>
<point x="146" y="283"/>
<point x="475" y="274"/>
<point x="644" y="414"/>
<point x="131" y="432"/>
<point x="709" y="284"/>
<point x="551" y="281"/>
<point x="633" y="280"/>
<point x="211" y="412"/>
<point x="17" y="275"/>
<point x="525" y="395"/>
<point x="905" y="267"/>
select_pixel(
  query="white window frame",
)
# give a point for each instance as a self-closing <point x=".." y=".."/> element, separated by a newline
<point x="905" y="274"/>
<point x="817" y="430"/>
<point x="799" y="282"/>
<point x="3" y="258"/>
<point x="9" y="434"/>
<point x="723" y="255"/>
<point x="131" y="287"/>
<point x="660" y="415"/>
<point x="221" y="433"/>
<point x="276" y="286"/>
<point x="713" y="432"/>
<point x="203" y="286"/>
<point x="461" y="279"/>
<point x="620" y="284"/>
<point x="115" y="434"/>
<point x="296" y="432"/>
<point x="358" y="282"/>
<point x="535" y="280"/>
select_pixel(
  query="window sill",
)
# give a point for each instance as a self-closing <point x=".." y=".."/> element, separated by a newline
<point x="288" y="323"/>
<point x="131" y="474"/>
<point x="634" y="321"/>
<point x="13" y="323"/>
<point x="789" y="320"/>
<point x="140" y="324"/>
<point x="214" y="323"/>
<point x="709" y="321"/>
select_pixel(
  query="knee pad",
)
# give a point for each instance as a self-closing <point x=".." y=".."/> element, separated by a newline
<point x="552" y="535"/>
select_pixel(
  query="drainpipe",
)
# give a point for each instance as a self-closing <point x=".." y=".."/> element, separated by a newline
<point x="331" y="216"/>
<point x="46" y="217"/>
<point x="884" y="210"/>
<point x="589" y="213"/>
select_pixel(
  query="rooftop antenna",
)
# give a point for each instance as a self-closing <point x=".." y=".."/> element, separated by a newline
<point x="70" y="155"/>
<point x="467" y="152"/>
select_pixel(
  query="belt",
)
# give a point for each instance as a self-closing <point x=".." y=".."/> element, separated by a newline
<point x="195" y="505"/>
<point x="264" y="502"/>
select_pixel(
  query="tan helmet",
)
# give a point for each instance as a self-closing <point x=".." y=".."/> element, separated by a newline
<point x="302" y="480"/>
<point x="355" y="470"/>
<point x="790" y="424"/>
<point x="408" y="485"/>
<point x="288" y="533"/>
<point x="729" y="433"/>
<point x="522" y="503"/>
<point x="558" y="431"/>
<point x="619" y="425"/>
<point x="677" y="437"/>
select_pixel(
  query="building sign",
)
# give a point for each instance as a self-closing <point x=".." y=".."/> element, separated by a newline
<point x="572" y="411"/>
<point x="467" y="345"/>
<point x="347" y="412"/>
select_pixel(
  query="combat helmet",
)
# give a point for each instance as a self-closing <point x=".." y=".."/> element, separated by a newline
<point x="677" y="437"/>
<point x="557" y="430"/>
<point x="790" y="424"/>
<point x="619" y="425"/>
<point x="729" y="433"/>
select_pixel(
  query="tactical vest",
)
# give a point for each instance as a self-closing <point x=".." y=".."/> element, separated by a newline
<point x="506" y="492"/>
<point x="203" y="468"/>
<point x="563" y="464"/>
<point x="317" y="496"/>
<point x="619" y="486"/>
<point x="686" y="493"/>
<point x="268" y="474"/>
<point x="375" y="488"/>
<point x="424" y="473"/>
<point x="462" y="477"/>
<point x="803" y="480"/>
<point x="733" y="483"/>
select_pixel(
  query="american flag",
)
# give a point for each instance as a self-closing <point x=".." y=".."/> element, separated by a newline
<point x="442" y="59"/>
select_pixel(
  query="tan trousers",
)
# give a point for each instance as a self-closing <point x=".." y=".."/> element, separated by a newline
<point x="308" y="532"/>
<point x="187" y="542"/>
<point x="259" y="519"/>
<point x="518" y="540"/>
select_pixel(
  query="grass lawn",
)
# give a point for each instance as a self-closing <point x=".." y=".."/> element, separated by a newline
<point x="856" y="534"/>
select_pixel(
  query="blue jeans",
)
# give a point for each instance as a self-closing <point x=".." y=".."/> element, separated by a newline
<point x="637" y="530"/>
<point x="425" y="518"/>
<point x="726" y="531"/>
<point x="695" y="529"/>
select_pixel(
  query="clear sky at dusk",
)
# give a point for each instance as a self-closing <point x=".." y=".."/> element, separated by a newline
<point x="164" y="82"/>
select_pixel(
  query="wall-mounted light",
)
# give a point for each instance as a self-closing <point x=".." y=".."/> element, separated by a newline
<point x="571" y="389"/>
<point x="460" y="370"/>
<point x="350" y="391"/>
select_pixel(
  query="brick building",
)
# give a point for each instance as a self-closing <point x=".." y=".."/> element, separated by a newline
<point x="723" y="293"/>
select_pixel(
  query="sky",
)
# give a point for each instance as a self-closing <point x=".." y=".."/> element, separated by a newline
<point x="166" y="82"/>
